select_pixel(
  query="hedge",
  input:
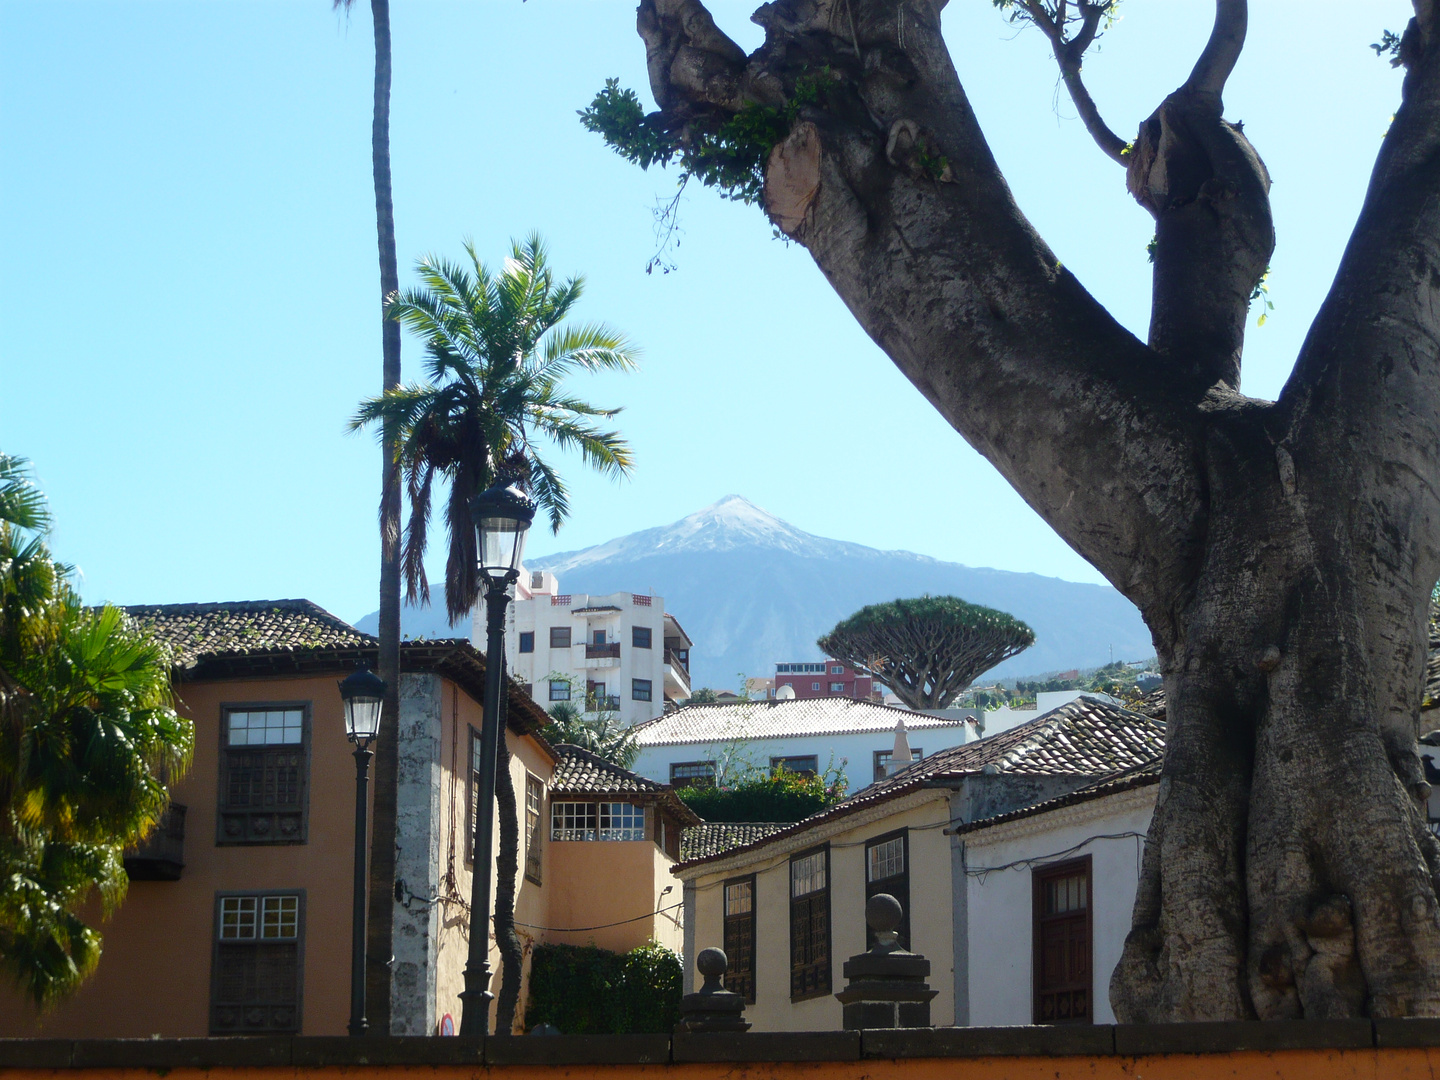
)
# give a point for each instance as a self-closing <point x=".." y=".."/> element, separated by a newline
<point x="584" y="990"/>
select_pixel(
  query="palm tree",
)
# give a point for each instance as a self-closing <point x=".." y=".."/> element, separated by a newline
<point x="88" y="737"/>
<point x="382" y="847"/>
<point x="497" y="356"/>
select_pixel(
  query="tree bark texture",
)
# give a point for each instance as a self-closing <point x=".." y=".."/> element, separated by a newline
<point x="379" y="948"/>
<point x="507" y="868"/>
<point x="1282" y="553"/>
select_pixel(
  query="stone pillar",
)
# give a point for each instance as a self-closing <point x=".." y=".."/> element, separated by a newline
<point x="887" y="987"/>
<point x="712" y="1007"/>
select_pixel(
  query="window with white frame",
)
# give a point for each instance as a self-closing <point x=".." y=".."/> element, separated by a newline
<point x="559" y="690"/>
<point x="265" y="767"/>
<point x="255" y="977"/>
<point x="837" y="669"/>
<point x="534" y="799"/>
<point x="596" y="821"/>
<point x="837" y="688"/>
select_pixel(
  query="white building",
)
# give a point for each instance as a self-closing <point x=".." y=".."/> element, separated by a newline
<point x="852" y="737"/>
<point x="622" y="653"/>
<point x="1004" y="718"/>
<point x="1015" y="859"/>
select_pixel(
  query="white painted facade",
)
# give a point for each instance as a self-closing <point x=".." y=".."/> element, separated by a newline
<point x="851" y="755"/>
<point x="972" y="900"/>
<point x="623" y="652"/>
<point x="1000" y="862"/>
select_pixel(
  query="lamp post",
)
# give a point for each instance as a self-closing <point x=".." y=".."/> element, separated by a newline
<point x="362" y="692"/>
<point x="502" y="515"/>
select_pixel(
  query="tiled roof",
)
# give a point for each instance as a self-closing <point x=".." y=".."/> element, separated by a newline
<point x="1084" y="737"/>
<point x="1140" y="776"/>
<point x="1152" y="704"/>
<point x="717" y="837"/>
<point x="728" y="721"/>
<point x="195" y="630"/>
<point x="580" y="772"/>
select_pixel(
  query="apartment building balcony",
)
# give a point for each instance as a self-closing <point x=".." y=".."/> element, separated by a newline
<point x="677" y="675"/>
<point x="161" y="857"/>
<point x="602" y="656"/>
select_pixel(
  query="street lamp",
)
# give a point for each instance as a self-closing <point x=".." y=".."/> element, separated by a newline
<point x="502" y="515"/>
<point x="362" y="691"/>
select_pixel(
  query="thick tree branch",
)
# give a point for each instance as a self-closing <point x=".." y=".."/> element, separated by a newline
<point x="1222" y="51"/>
<point x="891" y="186"/>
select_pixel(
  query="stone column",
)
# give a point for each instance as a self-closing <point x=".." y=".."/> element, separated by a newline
<point x="887" y="987"/>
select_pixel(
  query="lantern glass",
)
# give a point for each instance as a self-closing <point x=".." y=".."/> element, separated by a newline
<point x="363" y="691"/>
<point x="502" y="515"/>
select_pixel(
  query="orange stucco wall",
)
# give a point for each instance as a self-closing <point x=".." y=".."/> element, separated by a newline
<point x="154" y="973"/>
<point x="1373" y="1064"/>
<point x="613" y="882"/>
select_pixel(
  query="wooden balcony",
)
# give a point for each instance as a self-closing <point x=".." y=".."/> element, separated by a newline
<point x="161" y="857"/>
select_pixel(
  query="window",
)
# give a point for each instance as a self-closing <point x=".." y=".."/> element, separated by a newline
<point x="698" y="774"/>
<point x="470" y="792"/>
<point x="527" y="640"/>
<point x="887" y="870"/>
<point x="740" y="936"/>
<point x="534" y="834"/>
<point x="559" y="637"/>
<point x="1061" y="943"/>
<point x="810" y="925"/>
<point x="599" y="638"/>
<point x="255" y="973"/>
<point x="559" y="690"/>
<point x="640" y="689"/>
<point x="882" y="761"/>
<point x="264" y="762"/>
<point x="837" y="669"/>
<point x="804" y="764"/>
<point x="596" y="821"/>
<point x="814" y="686"/>
<point x="640" y="637"/>
<point x="837" y="688"/>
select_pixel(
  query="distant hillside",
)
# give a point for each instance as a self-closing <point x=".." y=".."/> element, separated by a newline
<point x="752" y="590"/>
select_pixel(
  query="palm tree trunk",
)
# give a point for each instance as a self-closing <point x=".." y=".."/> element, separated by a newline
<point x="507" y="867"/>
<point x="379" y="948"/>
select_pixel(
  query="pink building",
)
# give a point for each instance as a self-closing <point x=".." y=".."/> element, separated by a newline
<point x="824" y="678"/>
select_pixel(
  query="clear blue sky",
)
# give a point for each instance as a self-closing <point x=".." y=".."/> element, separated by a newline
<point x="187" y="226"/>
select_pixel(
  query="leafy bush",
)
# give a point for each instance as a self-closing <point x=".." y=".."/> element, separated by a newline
<point x="766" y="796"/>
<point x="584" y="990"/>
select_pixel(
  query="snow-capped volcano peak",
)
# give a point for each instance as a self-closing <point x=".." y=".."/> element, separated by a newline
<point x="730" y="523"/>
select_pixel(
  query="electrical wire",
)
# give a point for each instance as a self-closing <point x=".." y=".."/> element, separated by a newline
<point x="982" y="872"/>
<point x="603" y="926"/>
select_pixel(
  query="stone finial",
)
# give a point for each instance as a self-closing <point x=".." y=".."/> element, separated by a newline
<point x="712" y="1007"/>
<point x="886" y="985"/>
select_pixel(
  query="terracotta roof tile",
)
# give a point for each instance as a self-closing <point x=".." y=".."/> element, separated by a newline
<point x="580" y="772"/>
<point x="1084" y="737"/>
<point x="195" y="630"/>
<point x="717" y="837"/>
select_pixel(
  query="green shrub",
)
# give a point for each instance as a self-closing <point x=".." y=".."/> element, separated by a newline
<point x="584" y="990"/>
<point x="765" y="796"/>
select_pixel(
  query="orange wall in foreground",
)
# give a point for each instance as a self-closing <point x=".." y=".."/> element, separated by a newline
<point x="1385" y="1064"/>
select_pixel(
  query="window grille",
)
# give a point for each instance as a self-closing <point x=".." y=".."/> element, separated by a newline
<point x="264" y="772"/>
<point x="740" y="936"/>
<point x="810" y="925"/>
<point x="255" y="976"/>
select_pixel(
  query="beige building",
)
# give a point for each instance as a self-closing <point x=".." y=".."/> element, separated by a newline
<point x="966" y="839"/>
<point x="238" y="914"/>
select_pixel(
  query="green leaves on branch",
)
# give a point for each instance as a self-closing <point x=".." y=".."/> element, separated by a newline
<point x="727" y="153"/>
<point x="584" y="990"/>
<point x="1389" y="45"/>
<point x="766" y="795"/>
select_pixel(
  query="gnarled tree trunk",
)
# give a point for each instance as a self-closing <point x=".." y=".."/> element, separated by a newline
<point x="1282" y="553"/>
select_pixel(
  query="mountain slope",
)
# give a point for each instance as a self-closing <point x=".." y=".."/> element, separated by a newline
<point x="752" y="590"/>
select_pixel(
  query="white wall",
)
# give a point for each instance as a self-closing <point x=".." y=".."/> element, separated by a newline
<point x="1000" y="902"/>
<point x="852" y="754"/>
<point x="1005" y="718"/>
